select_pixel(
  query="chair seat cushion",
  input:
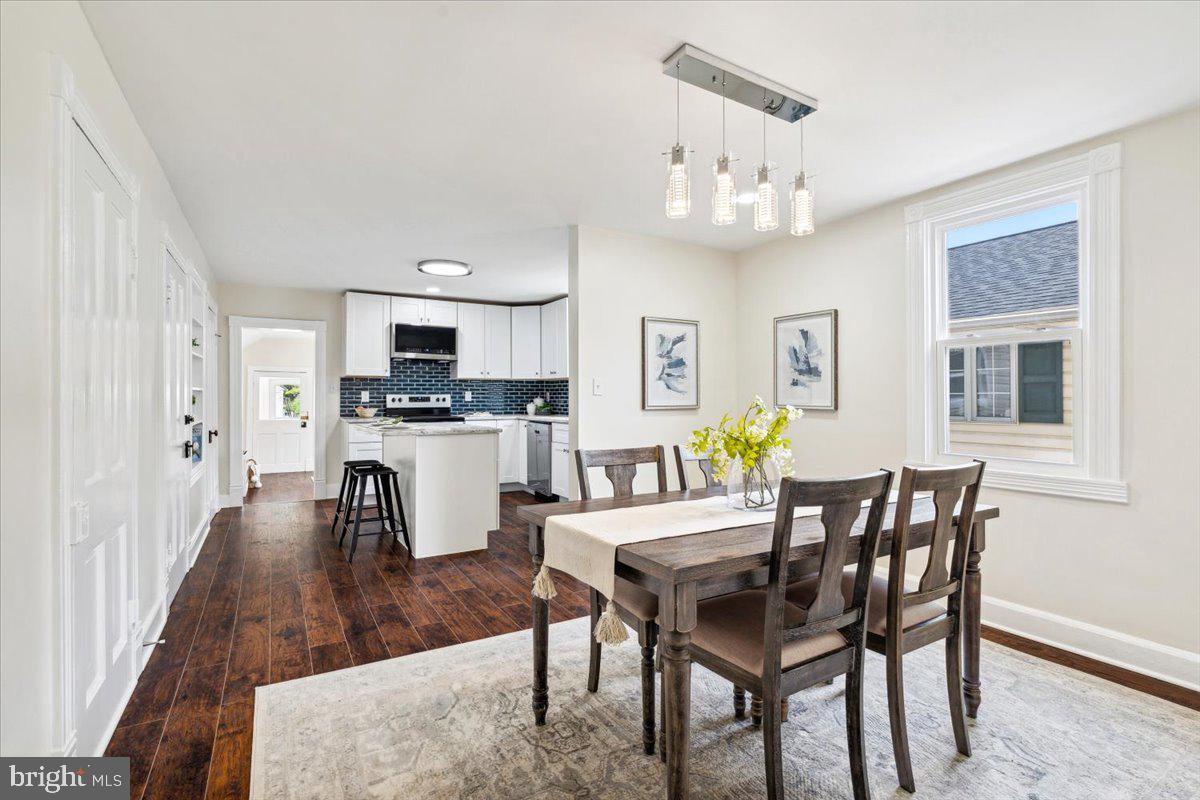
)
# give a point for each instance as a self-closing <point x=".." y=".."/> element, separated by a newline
<point x="636" y="600"/>
<point x="802" y="592"/>
<point x="731" y="628"/>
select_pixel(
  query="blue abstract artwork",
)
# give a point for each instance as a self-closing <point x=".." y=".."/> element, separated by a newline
<point x="806" y="360"/>
<point x="669" y="367"/>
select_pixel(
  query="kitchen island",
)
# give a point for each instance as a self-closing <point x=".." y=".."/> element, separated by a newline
<point x="448" y="482"/>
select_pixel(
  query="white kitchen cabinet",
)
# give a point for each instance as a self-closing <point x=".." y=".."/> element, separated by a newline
<point x="508" y="450"/>
<point x="483" y="346"/>
<point x="366" y="334"/>
<point x="556" y="345"/>
<point x="527" y="342"/>
<point x="522" y="451"/>
<point x="498" y="342"/>
<point x="422" y="311"/>
<point x="560" y="465"/>
<point x="362" y="444"/>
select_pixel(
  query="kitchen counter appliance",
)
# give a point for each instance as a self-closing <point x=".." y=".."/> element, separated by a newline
<point x="421" y="408"/>
<point x="538" y="457"/>
<point x="427" y="342"/>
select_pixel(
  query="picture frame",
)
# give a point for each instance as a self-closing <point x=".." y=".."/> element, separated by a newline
<point x="670" y="363"/>
<point x="805" y="360"/>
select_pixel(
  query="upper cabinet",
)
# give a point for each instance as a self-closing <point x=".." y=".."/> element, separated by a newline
<point x="367" y="319"/>
<point x="484" y="346"/>
<point x="422" y="311"/>
<point x="527" y="342"/>
<point x="556" y="344"/>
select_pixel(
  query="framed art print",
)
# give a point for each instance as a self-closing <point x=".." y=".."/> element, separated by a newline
<point x="670" y="363"/>
<point x="806" y="362"/>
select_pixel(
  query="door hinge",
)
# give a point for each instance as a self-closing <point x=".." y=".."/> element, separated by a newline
<point x="80" y="522"/>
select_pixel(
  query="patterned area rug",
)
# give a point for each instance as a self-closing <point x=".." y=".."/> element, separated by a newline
<point x="456" y="723"/>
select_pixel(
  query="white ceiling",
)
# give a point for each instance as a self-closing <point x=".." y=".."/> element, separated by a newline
<point x="332" y="145"/>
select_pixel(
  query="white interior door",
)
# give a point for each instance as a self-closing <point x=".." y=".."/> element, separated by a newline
<point x="177" y="402"/>
<point x="280" y="442"/>
<point x="100" y="362"/>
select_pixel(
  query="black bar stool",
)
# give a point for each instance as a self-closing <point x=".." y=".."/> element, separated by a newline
<point x="388" y="502"/>
<point x="344" y="497"/>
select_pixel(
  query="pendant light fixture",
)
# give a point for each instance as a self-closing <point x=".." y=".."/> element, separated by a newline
<point x="724" y="198"/>
<point x="679" y="182"/>
<point x="802" y="197"/>
<point x="766" y="199"/>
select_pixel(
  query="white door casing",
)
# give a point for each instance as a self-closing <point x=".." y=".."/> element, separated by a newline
<point x="98" y="369"/>
<point x="210" y="400"/>
<point x="279" y="445"/>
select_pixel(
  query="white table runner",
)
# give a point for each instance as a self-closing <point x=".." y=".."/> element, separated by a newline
<point x="585" y="545"/>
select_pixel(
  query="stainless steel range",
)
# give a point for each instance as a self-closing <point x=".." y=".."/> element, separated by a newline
<point x="420" y="408"/>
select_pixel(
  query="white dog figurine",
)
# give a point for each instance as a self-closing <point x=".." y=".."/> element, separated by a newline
<point x="252" y="473"/>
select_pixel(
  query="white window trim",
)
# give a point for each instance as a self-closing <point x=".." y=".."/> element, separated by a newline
<point x="1092" y="179"/>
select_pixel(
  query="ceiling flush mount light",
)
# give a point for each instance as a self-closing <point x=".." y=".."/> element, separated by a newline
<point x="679" y="183"/>
<point x="444" y="268"/>
<point x="766" y="200"/>
<point x="724" y="199"/>
<point x="802" y="198"/>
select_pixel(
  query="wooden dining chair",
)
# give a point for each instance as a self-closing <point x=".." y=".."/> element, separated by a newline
<point x="900" y="621"/>
<point x="636" y="606"/>
<point x="758" y="640"/>
<point x="682" y="457"/>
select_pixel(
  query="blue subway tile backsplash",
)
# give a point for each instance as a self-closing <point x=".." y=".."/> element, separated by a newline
<point x="432" y="377"/>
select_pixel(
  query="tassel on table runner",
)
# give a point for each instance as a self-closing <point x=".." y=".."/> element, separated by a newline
<point x="543" y="584"/>
<point x="609" y="628"/>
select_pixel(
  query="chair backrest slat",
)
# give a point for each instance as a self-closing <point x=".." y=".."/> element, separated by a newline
<point x="841" y="505"/>
<point x="941" y="576"/>
<point x="620" y="466"/>
<point x="683" y="456"/>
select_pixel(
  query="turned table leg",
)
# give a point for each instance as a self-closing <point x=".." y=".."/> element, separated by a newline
<point x="971" y="622"/>
<point x="541" y="635"/>
<point x="677" y="696"/>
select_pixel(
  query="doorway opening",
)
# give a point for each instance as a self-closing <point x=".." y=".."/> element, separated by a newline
<point x="276" y="371"/>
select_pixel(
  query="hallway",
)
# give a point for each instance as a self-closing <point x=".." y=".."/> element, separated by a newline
<point x="282" y="487"/>
<point x="270" y="599"/>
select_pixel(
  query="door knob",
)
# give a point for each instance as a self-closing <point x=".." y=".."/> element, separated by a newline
<point x="211" y="435"/>
<point x="188" y="419"/>
<point x="187" y="449"/>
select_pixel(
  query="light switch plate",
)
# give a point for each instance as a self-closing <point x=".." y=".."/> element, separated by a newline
<point x="366" y="396"/>
<point x="467" y="396"/>
<point x="597" y="390"/>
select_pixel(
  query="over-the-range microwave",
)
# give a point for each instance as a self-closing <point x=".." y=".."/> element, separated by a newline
<point x="423" y="341"/>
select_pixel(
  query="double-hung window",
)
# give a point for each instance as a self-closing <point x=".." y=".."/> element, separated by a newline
<point x="1013" y="307"/>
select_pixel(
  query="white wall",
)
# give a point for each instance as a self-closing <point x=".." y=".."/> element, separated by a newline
<point x="30" y="32"/>
<point x="245" y="300"/>
<point x="616" y="279"/>
<point x="1124" y="579"/>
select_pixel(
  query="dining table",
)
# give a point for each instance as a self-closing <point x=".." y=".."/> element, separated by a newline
<point x="683" y="570"/>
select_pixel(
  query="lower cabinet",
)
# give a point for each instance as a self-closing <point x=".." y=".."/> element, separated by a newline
<point x="509" y="451"/>
<point x="522" y="451"/>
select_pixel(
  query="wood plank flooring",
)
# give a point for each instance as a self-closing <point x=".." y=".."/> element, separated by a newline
<point x="272" y="598"/>
<point x="282" y="487"/>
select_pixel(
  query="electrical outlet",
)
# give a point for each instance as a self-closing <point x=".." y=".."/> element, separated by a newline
<point x="366" y="396"/>
<point x="597" y="389"/>
<point x="467" y="397"/>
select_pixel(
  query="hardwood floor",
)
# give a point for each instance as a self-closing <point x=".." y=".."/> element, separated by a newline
<point x="282" y="487"/>
<point x="271" y="598"/>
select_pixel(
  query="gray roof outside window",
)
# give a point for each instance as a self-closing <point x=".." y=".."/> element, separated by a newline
<point x="1027" y="271"/>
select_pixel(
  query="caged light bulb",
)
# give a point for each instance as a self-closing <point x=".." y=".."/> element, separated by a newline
<point x="724" y="198"/>
<point x="802" y="207"/>
<point x="766" y="201"/>
<point x="679" y="184"/>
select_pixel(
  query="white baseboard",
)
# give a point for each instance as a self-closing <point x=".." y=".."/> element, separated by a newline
<point x="1143" y="656"/>
<point x="1156" y="660"/>
<point x="231" y="501"/>
<point x="323" y="491"/>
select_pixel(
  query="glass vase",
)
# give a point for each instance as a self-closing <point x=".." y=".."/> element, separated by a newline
<point x="753" y="489"/>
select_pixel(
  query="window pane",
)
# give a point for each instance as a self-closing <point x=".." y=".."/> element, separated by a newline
<point x="1034" y="423"/>
<point x="1024" y="263"/>
<point x="955" y="359"/>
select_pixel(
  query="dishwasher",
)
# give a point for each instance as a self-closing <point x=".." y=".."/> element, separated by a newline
<point x="538" y="455"/>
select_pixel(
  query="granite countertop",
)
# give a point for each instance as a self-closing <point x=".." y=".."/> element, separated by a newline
<point x="561" y="418"/>
<point x="426" y="429"/>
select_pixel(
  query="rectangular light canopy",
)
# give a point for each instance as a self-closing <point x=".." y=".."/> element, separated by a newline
<point x="741" y="85"/>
